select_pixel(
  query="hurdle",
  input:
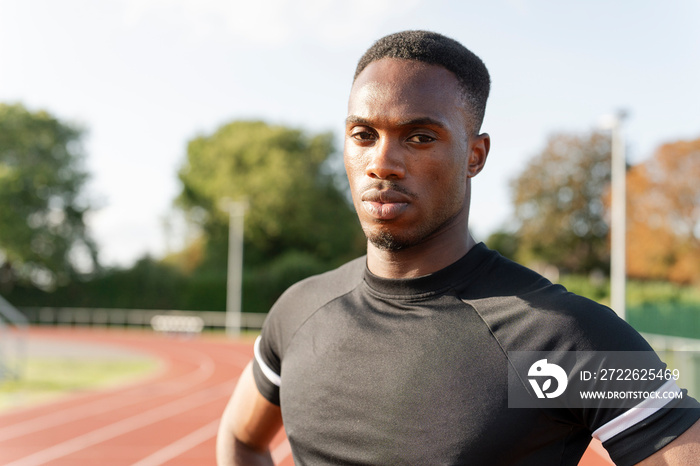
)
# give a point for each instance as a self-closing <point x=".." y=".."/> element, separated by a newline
<point x="177" y="324"/>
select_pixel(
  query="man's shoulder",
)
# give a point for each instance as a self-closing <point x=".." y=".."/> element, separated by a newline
<point x="527" y="311"/>
<point x="312" y="293"/>
<point x="331" y="283"/>
<point x="501" y="279"/>
<point x="498" y="277"/>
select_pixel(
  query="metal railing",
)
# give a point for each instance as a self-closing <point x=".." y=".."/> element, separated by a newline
<point x="682" y="354"/>
<point x="13" y="340"/>
<point x="79" y="316"/>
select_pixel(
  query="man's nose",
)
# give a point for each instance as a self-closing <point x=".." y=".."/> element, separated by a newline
<point x="387" y="160"/>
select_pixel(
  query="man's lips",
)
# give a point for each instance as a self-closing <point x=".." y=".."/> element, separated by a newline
<point x="384" y="204"/>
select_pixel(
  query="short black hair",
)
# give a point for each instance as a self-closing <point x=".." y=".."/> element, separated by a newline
<point x="436" y="49"/>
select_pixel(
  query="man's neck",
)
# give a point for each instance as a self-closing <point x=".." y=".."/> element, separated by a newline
<point x="418" y="260"/>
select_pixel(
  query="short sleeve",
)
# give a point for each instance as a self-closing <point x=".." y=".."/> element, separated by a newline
<point x="266" y="379"/>
<point x="656" y="429"/>
<point x="562" y="327"/>
<point x="289" y="313"/>
<point x="267" y="363"/>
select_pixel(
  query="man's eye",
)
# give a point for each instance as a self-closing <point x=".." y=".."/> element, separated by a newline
<point x="363" y="135"/>
<point x="421" y="138"/>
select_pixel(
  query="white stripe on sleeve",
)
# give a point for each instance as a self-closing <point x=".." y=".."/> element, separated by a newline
<point x="269" y="373"/>
<point x="637" y="414"/>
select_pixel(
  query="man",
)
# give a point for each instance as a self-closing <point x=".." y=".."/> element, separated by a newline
<point x="402" y="356"/>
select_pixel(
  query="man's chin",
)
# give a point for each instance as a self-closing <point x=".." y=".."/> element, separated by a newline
<point x="386" y="241"/>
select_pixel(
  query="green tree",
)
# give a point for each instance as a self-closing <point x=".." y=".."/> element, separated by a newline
<point x="558" y="201"/>
<point x="505" y="242"/>
<point x="41" y="207"/>
<point x="294" y="202"/>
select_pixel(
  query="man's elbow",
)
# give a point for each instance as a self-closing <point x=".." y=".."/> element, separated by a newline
<point x="248" y="425"/>
<point x="230" y="451"/>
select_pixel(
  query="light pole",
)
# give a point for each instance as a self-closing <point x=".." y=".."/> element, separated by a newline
<point x="618" y="221"/>
<point x="234" y="275"/>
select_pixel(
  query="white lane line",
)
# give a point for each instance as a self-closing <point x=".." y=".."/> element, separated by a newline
<point x="125" y="426"/>
<point x="180" y="446"/>
<point x="205" y="369"/>
<point x="199" y="436"/>
<point x="281" y="452"/>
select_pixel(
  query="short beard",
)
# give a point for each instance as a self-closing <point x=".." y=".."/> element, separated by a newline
<point x="385" y="241"/>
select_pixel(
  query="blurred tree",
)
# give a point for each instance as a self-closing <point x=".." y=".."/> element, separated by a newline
<point x="663" y="234"/>
<point x="294" y="203"/>
<point x="558" y="202"/>
<point x="42" y="228"/>
<point x="504" y="242"/>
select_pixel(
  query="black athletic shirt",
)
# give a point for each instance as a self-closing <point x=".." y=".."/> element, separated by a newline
<point x="374" y="371"/>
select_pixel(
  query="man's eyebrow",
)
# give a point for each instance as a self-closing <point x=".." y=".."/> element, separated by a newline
<point x="420" y="121"/>
<point x="356" y="120"/>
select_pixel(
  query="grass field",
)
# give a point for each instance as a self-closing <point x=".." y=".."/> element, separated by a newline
<point x="653" y="307"/>
<point x="46" y="378"/>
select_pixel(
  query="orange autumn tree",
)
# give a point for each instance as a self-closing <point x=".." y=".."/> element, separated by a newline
<point x="663" y="236"/>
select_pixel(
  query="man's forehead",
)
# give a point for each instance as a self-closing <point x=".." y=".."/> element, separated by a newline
<point x="406" y="66"/>
<point x="405" y="88"/>
<point x="370" y="92"/>
<point x="397" y="71"/>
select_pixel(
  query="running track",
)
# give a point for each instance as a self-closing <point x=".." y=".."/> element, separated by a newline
<point x="169" y="418"/>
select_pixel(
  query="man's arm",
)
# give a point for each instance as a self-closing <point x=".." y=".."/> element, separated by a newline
<point x="683" y="451"/>
<point x="248" y="425"/>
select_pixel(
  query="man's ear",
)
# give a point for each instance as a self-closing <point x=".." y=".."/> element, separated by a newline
<point x="479" y="150"/>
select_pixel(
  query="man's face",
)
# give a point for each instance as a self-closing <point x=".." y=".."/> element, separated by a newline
<point x="407" y="152"/>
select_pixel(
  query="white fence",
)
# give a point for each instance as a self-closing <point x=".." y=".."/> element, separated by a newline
<point x="130" y="317"/>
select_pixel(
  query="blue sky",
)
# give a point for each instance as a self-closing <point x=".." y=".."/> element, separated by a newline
<point x="145" y="76"/>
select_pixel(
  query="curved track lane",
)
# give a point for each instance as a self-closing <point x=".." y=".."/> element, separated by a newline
<point x="167" y="418"/>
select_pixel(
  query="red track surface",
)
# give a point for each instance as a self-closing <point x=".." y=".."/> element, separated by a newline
<point x="169" y="418"/>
